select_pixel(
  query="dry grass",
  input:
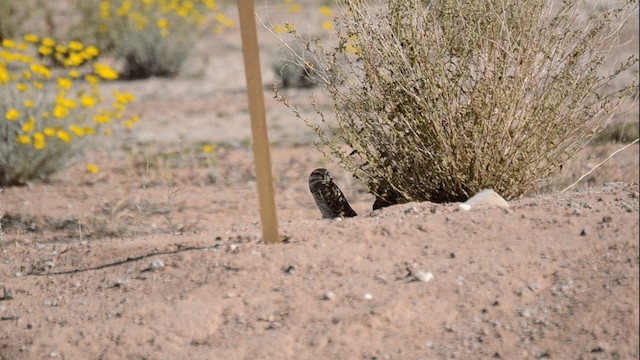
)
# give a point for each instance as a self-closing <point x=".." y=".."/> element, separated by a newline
<point x="435" y="100"/>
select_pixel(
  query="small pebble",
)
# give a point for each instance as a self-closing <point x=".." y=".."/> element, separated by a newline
<point x="291" y="269"/>
<point x="367" y="296"/>
<point x="329" y="295"/>
<point x="464" y="207"/>
<point x="411" y="210"/>
<point x="423" y="276"/>
<point x="607" y="219"/>
<point x="7" y="294"/>
<point x="156" y="265"/>
<point x="583" y="232"/>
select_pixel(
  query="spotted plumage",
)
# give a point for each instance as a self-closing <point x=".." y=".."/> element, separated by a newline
<point x="328" y="197"/>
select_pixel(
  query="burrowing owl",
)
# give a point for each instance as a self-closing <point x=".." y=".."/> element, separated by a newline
<point x="328" y="197"/>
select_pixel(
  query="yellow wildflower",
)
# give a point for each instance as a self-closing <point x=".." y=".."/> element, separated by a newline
<point x="49" y="131"/>
<point x="28" y="103"/>
<point x="295" y="8"/>
<point x="45" y="50"/>
<point x="38" y="141"/>
<point x="210" y="4"/>
<point x="59" y="111"/>
<point x="87" y="101"/>
<point x="325" y="10"/>
<point x="208" y="148"/>
<point x="123" y="97"/>
<point x="12" y="114"/>
<point x="74" y="59"/>
<point x="22" y="87"/>
<point x="29" y="125"/>
<point x="162" y="23"/>
<point x="92" y="168"/>
<point x="41" y="70"/>
<point x="92" y="80"/>
<point x="22" y="46"/>
<point x="23" y="139"/>
<point x="48" y="42"/>
<point x="182" y="11"/>
<point x="68" y="103"/>
<point x="8" y="43"/>
<point x="64" y="136"/>
<point x="105" y="11"/>
<point x="4" y="74"/>
<point x="102" y="117"/>
<point x="26" y="75"/>
<point x="65" y="83"/>
<point x="74" y="74"/>
<point x="105" y="71"/>
<point x="89" y="130"/>
<point x="90" y="52"/>
<point x="279" y="28"/>
<point x="327" y="25"/>
<point x="222" y="19"/>
<point x="124" y="8"/>
<point x="38" y="85"/>
<point x="77" y="130"/>
<point x="31" y="38"/>
<point x="61" y="49"/>
<point x="75" y="46"/>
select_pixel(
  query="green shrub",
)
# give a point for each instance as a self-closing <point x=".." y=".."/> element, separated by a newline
<point x="435" y="100"/>
<point x="48" y="114"/>
<point x="154" y="37"/>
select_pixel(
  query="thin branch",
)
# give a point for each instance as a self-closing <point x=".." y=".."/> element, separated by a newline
<point x="597" y="166"/>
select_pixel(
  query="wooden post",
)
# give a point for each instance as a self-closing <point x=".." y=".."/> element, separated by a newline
<point x="261" y="153"/>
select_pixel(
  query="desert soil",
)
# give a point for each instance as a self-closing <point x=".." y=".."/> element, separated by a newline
<point x="159" y="255"/>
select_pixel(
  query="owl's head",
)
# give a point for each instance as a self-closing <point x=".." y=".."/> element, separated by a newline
<point x="320" y="175"/>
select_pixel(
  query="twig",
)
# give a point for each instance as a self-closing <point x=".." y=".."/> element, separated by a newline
<point x="597" y="166"/>
<point x="129" y="259"/>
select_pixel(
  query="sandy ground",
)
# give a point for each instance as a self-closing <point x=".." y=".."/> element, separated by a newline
<point x="159" y="256"/>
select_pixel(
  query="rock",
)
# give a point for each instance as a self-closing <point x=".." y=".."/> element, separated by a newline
<point x="486" y="197"/>
<point x="156" y="265"/>
<point x="424" y="276"/>
<point x="291" y="269"/>
<point x="464" y="207"/>
<point x="329" y="295"/>
<point x="367" y="296"/>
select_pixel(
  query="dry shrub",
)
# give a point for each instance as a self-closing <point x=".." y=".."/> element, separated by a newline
<point x="435" y="100"/>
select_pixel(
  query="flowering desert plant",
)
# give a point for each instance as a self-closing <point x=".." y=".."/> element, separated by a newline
<point x="47" y="112"/>
<point x="154" y="37"/>
<point x="436" y="100"/>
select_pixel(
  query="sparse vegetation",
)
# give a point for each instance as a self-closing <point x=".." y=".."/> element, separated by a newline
<point x="154" y="37"/>
<point x="51" y="104"/>
<point x="435" y="100"/>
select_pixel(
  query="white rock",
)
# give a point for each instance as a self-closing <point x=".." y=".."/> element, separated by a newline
<point x="464" y="207"/>
<point x="156" y="265"/>
<point x="367" y="296"/>
<point x="424" y="276"/>
<point x="329" y="295"/>
<point x="487" y="197"/>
